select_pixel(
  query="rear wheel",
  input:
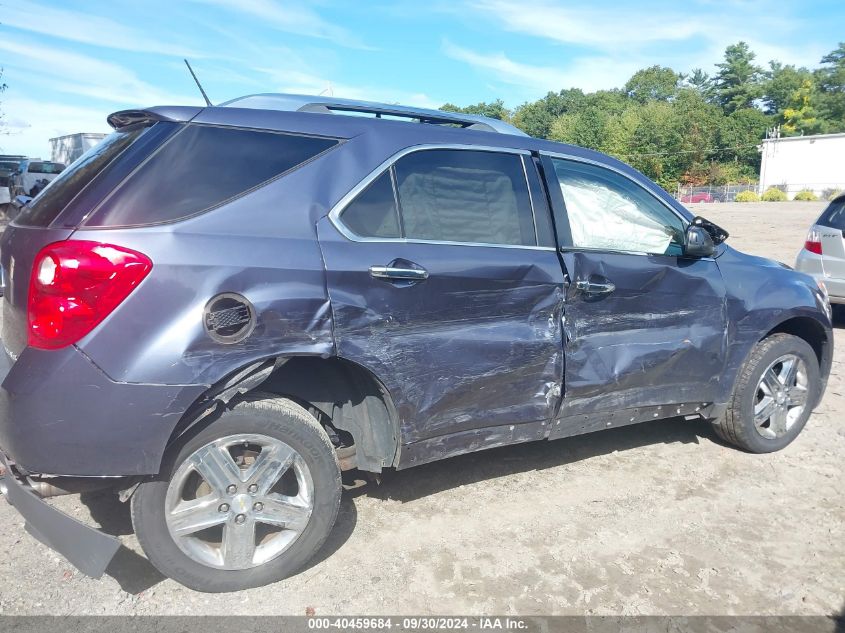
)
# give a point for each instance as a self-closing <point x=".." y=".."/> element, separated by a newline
<point x="774" y="395"/>
<point x="245" y="502"/>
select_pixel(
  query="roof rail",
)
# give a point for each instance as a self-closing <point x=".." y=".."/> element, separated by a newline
<point x="329" y="105"/>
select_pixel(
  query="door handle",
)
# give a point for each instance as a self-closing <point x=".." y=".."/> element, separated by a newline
<point x="392" y="273"/>
<point x="593" y="288"/>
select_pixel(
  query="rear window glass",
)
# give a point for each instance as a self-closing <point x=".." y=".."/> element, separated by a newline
<point x="44" y="208"/>
<point x="834" y="215"/>
<point x="373" y="213"/>
<point x="200" y="168"/>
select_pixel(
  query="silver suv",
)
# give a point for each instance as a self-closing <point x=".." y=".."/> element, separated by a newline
<point x="823" y="255"/>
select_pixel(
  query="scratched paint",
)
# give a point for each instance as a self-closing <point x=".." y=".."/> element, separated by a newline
<point x="477" y="344"/>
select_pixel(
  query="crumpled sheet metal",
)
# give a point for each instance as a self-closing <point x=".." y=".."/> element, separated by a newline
<point x="659" y="338"/>
<point x="478" y="344"/>
<point x="282" y="277"/>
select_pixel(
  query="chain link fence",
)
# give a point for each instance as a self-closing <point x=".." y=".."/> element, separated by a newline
<point x="728" y="193"/>
<point x="711" y="193"/>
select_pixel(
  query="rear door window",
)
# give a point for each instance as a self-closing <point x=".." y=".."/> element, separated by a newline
<point x="200" y="168"/>
<point x="373" y="213"/>
<point x="465" y="196"/>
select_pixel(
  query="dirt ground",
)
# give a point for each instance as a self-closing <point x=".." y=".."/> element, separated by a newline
<point x="659" y="518"/>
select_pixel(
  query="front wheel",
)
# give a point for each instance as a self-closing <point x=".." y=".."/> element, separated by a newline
<point x="776" y="390"/>
<point x="245" y="502"/>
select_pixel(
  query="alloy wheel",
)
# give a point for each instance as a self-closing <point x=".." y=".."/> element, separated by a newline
<point x="781" y="396"/>
<point x="239" y="501"/>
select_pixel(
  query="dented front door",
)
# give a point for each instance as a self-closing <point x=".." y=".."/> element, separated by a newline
<point x="645" y="327"/>
<point x="657" y="339"/>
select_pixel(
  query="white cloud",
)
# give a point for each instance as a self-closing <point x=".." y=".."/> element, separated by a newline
<point x="303" y="82"/>
<point x="589" y="73"/>
<point x="86" y="28"/>
<point x="601" y="27"/>
<point x="105" y="87"/>
<point x="291" y="18"/>
<point x="29" y="124"/>
<point x="602" y="45"/>
<point x="74" y="73"/>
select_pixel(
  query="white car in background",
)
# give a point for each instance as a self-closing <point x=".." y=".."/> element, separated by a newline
<point x="823" y="255"/>
<point x="39" y="170"/>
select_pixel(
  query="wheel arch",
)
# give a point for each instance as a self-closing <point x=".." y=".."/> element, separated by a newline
<point x="350" y="397"/>
<point x="813" y="332"/>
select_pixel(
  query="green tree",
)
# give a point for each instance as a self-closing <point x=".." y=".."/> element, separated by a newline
<point x="495" y="109"/>
<point x="585" y="128"/>
<point x="656" y="83"/>
<point x="781" y="83"/>
<point x="536" y="118"/>
<point x="800" y="117"/>
<point x="698" y="122"/>
<point x="737" y="83"/>
<point x="830" y="79"/>
<point x="659" y="144"/>
<point x="700" y="82"/>
<point x="589" y="124"/>
<point x="739" y="135"/>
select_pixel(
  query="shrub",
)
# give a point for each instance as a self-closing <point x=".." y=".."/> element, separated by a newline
<point x="835" y="193"/>
<point x="774" y="195"/>
<point x="747" y="196"/>
<point x="805" y="195"/>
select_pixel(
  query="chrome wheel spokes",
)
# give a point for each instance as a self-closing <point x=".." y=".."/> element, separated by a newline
<point x="781" y="396"/>
<point x="239" y="501"/>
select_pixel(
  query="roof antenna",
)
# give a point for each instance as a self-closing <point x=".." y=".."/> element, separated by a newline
<point x="199" y="85"/>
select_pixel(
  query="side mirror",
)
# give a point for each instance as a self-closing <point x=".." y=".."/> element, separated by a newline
<point x="717" y="233"/>
<point x="698" y="243"/>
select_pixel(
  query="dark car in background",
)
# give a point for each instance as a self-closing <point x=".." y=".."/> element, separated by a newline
<point x="11" y="168"/>
<point x="217" y="310"/>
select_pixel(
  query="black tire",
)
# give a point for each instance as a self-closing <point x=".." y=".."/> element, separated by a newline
<point x="264" y="414"/>
<point x="737" y="425"/>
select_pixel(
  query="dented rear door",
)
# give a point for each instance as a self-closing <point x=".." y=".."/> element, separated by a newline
<point x="455" y="304"/>
<point x="645" y="328"/>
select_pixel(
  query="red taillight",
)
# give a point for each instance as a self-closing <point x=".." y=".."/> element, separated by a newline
<point x="813" y="242"/>
<point x="74" y="285"/>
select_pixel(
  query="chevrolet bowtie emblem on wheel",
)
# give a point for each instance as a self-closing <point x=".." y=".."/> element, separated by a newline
<point x="229" y="318"/>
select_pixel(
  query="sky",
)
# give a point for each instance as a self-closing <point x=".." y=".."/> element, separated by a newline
<point x="69" y="64"/>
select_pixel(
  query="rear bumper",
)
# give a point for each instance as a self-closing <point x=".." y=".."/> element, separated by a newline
<point x="61" y="415"/>
<point x="87" y="549"/>
<point x="813" y="265"/>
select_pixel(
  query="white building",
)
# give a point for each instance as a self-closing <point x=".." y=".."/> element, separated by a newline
<point x="803" y="162"/>
<point x="67" y="149"/>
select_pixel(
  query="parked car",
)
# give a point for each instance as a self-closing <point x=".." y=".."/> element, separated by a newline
<point x="217" y="310"/>
<point x="38" y="174"/>
<point x="698" y="197"/>
<point x="823" y="255"/>
<point x="10" y="177"/>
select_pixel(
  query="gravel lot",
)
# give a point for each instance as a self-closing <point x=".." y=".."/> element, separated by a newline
<point x="659" y="518"/>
